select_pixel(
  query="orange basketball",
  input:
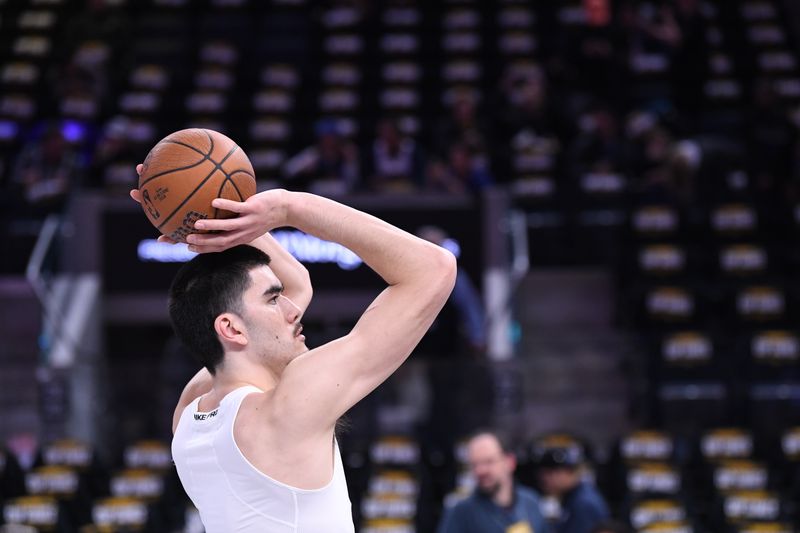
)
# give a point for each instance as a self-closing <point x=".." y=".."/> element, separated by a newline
<point x="184" y="172"/>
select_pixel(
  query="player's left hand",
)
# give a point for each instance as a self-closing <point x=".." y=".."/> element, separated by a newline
<point x="137" y="197"/>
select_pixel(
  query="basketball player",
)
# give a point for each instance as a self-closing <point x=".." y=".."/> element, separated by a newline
<point x="254" y="441"/>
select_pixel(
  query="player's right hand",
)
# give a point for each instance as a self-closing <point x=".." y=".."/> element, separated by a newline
<point x="137" y="197"/>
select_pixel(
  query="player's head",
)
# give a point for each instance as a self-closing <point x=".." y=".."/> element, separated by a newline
<point x="491" y="460"/>
<point x="206" y="287"/>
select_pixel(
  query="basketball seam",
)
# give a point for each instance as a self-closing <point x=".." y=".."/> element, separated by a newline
<point x="217" y="166"/>
<point x="189" y="146"/>
<point x="236" y="187"/>
<point x="243" y="171"/>
<point x="151" y="178"/>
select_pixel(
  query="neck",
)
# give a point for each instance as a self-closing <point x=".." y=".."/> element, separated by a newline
<point x="233" y="375"/>
<point x="572" y="486"/>
<point x="505" y="496"/>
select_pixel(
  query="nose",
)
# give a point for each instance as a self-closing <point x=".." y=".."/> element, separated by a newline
<point x="290" y="310"/>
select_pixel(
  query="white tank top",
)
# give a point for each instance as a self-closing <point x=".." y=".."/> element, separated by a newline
<point x="233" y="496"/>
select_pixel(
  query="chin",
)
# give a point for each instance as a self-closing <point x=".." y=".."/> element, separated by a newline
<point x="490" y="489"/>
<point x="301" y="349"/>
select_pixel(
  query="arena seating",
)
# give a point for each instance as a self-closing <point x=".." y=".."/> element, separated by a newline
<point x="706" y="278"/>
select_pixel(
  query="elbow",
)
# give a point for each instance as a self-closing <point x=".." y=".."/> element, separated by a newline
<point x="446" y="268"/>
<point x="306" y="291"/>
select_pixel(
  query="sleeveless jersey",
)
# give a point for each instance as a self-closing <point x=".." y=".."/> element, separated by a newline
<point x="233" y="496"/>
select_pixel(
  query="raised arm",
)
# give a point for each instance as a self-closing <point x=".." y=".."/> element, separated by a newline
<point x="293" y="275"/>
<point x="319" y="386"/>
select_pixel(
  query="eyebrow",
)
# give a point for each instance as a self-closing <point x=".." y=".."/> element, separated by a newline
<point x="275" y="289"/>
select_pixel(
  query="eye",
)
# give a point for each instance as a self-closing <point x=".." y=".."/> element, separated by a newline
<point x="274" y="300"/>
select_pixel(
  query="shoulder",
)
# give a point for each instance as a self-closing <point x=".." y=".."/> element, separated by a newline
<point x="527" y="493"/>
<point x="179" y="410"/>
<point x="589" y="497"/>
<point x="464" y="506"/>
<point x="530" y="499"/>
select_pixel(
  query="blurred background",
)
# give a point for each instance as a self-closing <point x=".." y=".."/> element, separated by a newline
<point x="620" y="180"/>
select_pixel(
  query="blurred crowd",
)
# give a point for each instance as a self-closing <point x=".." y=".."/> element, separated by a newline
<point x="574" y="108"/>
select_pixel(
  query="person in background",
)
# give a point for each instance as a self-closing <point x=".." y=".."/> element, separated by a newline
<point x="465" y="299"/>
<point x="46" y="170"/>
<point x="463" y="125"/>
<point x="499" y="504"/>
<point x="328" y="167"/>
<point x="396" y="160"/>
<point x="113" y="156"/>
<point x="561" y="476"/>
<point x="462" y="174"/>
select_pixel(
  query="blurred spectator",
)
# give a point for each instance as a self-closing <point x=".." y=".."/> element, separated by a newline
<point x="679" y="28"/>
<point x="461" y="174"/>
<point x="464" y="126"/>
<point x="598" y="146"/>
<point x="527" y="104"/>
<point x="80" y="85"/>
<point x="465" y="298"/>
<point x="100" y="19"/>
<point x="690" y="58"/>
<point x="771" y="140"/>
<point x="498" y="504"/>
<point x="396" y="160"/>
<point x="328" y="167"/>
<point x="560" y="474"/>
<point x="595" y="54"/>
<point x="529" y="126"/>
<point x="664" y="166"/>
<point x="114" y="157"/>
<point x="46" y="170"/>
<point x="80" y="78"/>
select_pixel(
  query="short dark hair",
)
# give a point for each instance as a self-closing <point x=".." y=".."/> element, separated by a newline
<point x="204" y="288"/>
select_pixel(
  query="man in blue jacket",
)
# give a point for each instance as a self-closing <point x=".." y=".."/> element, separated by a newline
<point x="498" y="504"/>
<point x="560" y="475"/>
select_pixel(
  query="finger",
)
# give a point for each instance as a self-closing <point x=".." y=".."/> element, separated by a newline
<point x="209" y="239"/>
<point x="136" y="195"/>
<point x="217" y="240"/>
<point x="220" y="224"/>
<point x="139" y="169"/>
<point x="229" y="205"/>
<point x="165" y="239"/>
<point x="205" y="249"/>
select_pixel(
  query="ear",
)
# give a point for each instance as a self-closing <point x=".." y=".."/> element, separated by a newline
<point x="230" y="329"/>
<point x="511" y="459"/>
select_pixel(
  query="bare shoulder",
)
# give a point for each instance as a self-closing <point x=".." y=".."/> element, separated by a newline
<point x="182" y="405"/>
<point x="200" y="384"/>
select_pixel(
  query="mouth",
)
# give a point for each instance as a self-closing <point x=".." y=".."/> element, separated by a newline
<point x="298" y="329"/>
